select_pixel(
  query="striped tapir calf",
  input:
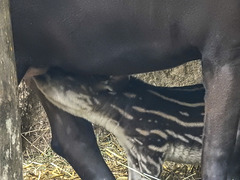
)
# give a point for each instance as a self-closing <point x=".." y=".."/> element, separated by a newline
<point x="129" y="36"/>
<point x="151" y="123"/>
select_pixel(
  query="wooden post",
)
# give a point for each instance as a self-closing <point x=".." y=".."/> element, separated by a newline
<point x="10" y="144"/>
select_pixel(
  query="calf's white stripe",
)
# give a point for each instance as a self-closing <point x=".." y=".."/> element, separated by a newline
<point x="159" y="132"/>
<point x="158" y="149"/>
<point x="122" y="112"/>
<point x="169" y="117"/>
<point x="176" y="101"/>
<point x="173" y="134"/>
<point x="194" y="138"/>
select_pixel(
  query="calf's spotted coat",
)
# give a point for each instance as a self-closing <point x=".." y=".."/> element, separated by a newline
<point x="153" y="124"/>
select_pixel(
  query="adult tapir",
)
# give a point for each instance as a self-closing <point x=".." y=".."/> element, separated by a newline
<point x="129" y="36"/>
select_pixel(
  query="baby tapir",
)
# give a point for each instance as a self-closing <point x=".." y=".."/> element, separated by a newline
<point x="152" y="124"/>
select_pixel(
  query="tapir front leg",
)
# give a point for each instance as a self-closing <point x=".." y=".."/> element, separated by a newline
<point x="73" y="138"/>
<point x="234" y="169"/>
<point x="221" y="73"/>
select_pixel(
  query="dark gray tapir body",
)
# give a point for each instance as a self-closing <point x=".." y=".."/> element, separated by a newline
<point x="129" y="36"/>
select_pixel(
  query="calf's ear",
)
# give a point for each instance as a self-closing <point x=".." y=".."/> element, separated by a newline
<point x="118" y="83"/>
<point x="112" y="84"/>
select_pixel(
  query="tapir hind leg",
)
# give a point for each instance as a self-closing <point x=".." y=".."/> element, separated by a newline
<point x="73" y="138"/>
<point x="221" y="73"/>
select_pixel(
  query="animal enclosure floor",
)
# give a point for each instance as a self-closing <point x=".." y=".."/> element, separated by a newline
<point x="47" y="165"/>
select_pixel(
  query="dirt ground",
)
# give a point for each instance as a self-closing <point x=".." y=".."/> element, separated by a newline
<point x="41" y="163"/>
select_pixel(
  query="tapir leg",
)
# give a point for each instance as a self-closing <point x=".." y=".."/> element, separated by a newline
<point x="222" y="110"/>
<point x="234" y="169"/>
<point x="73" y="138"/>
